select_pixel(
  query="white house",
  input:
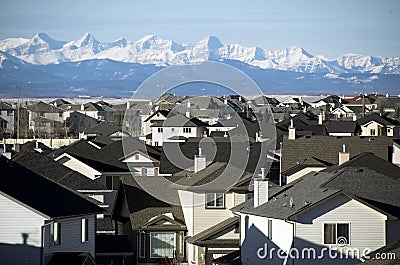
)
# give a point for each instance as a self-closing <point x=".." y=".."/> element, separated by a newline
<point x="40" y="218"/>
<point x="342" y="210"/>
<point x="376" y="125"/>
<point x="212" y="229"/>
<point x="176" y="126"/>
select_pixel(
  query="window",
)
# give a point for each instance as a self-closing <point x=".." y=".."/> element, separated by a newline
<point x="155" y="143"/>
<point x="336" y="234"/>
<point x="187" y="130"/>
<point x="160" y="130"/>
<point x="372" y="132"/>
<point x="142" y="245"/>
<point x="112" y="182"/>
<point x="215" y="200"/>
<point x="137" y="157"/>
<point x="172" y="129"/>
<point x="9" y="112"/>
<point x="156" y="171"/>
<point x="162" y="244"/>
<point x="144" y="171"/>
<point x="85" y="230"/>
<point x="56" y="233"/>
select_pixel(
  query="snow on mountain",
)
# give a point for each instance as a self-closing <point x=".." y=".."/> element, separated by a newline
<point x="152" y="49"/>
<point x="40" y="43"/>
<point x="7" y="61"/>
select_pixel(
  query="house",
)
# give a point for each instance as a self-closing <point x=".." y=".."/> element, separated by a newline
<point x="139" y="157"/>
<point x="45" y="166"/>
<point x="206" y="194"/>
<point x="344" y="210"/>
<point x="45" y="119"/>
<point x="40" y="217"/>
<point x="7" y="119"/>
<point x="305" y="154"/>
<point x="158" y="116"/>
<point x="348" y="112"/>
<point x="90" y="109"/>
<point x="107" y="129"/>
<point x="156" y="229"/>
<point x="376" y="125"/>
<point x="330" y="102"/>
<point x="175" y="126"/>
<point x="342" y="128"/>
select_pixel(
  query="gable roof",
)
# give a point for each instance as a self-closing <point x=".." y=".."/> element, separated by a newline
<point x="341" y="126"/>
<point x="47" y="167"/>
<point x="92" y="156"/>
<point x="209" y="235"/>
<point x="127" y="146"/>
<point x="5" y="106"/>
<point x="142" y="206"/>
<point x="326" y="148"/>
<point x="178" y="120"/>
<point x="104" y="128"/>
<point x="370" y="187"/>
<point x="44" y="107"/>
<point x="42" y="194"/>
<point x="377" y="118"/>
<point x="223" y="153"/>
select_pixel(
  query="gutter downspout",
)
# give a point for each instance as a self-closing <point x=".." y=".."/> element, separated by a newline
<point x="293" y="225"/>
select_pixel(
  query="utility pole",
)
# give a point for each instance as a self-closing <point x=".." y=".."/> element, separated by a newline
<point x="17" y="87"/>
<point x="363" y="98"/>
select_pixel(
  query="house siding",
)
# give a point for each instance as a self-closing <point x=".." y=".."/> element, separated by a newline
<point x="254" y="235"/>
<point x="201" y="214"/>
<point x="71" y="237"/>
<point x="16" y="220"/>
<point x="367" y="226"/>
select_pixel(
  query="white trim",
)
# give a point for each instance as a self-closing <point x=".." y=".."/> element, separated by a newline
<point x="174" y="244"/>
<point x="335" y="223"/>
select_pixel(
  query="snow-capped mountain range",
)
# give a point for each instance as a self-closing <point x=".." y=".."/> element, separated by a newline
<point x="151" y="49"/>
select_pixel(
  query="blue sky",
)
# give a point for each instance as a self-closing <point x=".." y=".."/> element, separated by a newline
<point x="330" y="28"/>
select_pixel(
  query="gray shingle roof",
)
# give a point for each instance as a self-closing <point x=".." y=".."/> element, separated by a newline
<point x="326" y="148"/>
<point x="211" y="232"/>
<point x="5" y="106"/>
<point x="41" y="193"/>
<point x="362" y="183"/>
<point x="47" y="167"/>
<point x="143" y="206"/>
<point x="44" y="107"/>
<point x="376" y="117"/>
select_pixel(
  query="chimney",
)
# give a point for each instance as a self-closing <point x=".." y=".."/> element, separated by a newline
<point x="257" y="137"/>
<point x="321" y="117"/>
<point x="343" y="156"/>
<point x="82" y="107"/>
<point x="240" y="98"/>
<point x="187" y="114"/>
<point x="225" y="101"/>
<point x="128" y="104"/>
<point x="292" y="131"/>
<point x="260" y="189"/>
<point x="200" y="162"/>
<point x="205" y="134"/>
<point x="188" y="104"/>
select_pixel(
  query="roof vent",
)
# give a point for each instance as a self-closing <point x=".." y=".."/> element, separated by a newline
<point x="291" y="202"/>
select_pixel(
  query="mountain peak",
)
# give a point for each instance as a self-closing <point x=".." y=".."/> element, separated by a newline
<point x="212" y="42"/>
